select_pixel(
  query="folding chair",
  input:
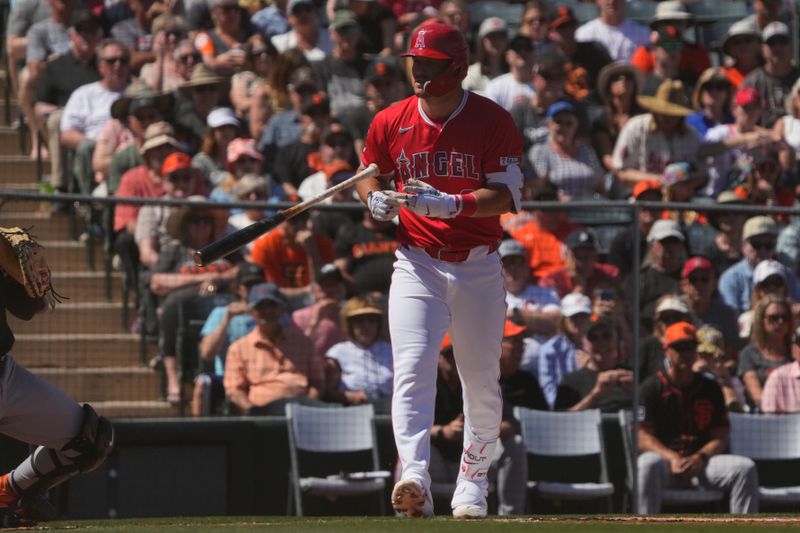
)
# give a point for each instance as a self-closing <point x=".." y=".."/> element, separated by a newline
<point x="671" y="496"/>
<point x="566" y="435"/>
<point x="332" y="431"/>
<point x="768" y="438"/>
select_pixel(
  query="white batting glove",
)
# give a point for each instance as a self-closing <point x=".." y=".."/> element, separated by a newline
<point x="428" y="201"/>
<point x="384" y="205"/>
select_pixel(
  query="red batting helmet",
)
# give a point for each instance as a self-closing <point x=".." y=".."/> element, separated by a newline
<point x="441" y="41"/>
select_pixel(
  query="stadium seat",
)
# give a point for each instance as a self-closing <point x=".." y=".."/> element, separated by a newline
<point x="769" y="438"/>
<point x="561" y="435"/>
<point x="330" y="433"/>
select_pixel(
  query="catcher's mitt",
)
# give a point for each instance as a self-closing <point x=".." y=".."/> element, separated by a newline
<point x="22" y="258"/>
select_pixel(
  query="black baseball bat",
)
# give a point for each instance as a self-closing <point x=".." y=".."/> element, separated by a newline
<point x="230" y="243"/>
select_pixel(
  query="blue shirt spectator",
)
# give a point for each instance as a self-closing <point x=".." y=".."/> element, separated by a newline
<point x="556" y="360"/>
<point x="270" y="21"/>
<point x="239" y="326"/>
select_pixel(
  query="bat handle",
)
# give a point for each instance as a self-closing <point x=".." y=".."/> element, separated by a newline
<point x="229" y="244"/>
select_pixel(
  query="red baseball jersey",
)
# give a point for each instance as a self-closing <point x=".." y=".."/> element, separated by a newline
<point x="477" y="139"/>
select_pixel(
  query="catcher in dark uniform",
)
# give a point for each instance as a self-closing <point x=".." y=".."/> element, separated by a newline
<point x="69" y="438"/>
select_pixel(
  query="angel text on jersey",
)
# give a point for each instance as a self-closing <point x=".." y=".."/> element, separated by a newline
<point x="443" y="164"/>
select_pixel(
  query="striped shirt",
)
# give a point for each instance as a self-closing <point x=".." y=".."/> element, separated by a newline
<point x="575" y="177"/>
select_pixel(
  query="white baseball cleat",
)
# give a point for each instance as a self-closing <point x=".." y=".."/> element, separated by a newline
<point x="469" y="500"/>
<point x="411" y="499"/>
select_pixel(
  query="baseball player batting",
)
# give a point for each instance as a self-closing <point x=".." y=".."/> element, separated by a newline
<point x="70" y="439"/>
<point x="454" y="158"/>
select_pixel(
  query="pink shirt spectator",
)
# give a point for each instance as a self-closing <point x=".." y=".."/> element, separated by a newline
<point x="269" y="372"/>
<point x="782" y="390"/>
<point x="135" y="183"/>
<point x="326" y="334"/>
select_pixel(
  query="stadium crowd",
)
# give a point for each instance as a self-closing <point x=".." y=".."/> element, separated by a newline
<point x="237" y="100"/>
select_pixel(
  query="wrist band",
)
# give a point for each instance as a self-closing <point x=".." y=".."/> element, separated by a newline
<point x="469" y="204"/>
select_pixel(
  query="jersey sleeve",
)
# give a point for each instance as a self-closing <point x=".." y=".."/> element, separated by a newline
<point x="376" y="146"/>
<point x="503" y="145"/>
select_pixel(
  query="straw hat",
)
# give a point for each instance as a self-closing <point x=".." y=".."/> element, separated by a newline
<point x="159" y="134"/>
<point x="611" y="71"/>
<point x="670" y="100"/>
<point x="201" y="75"/>
<point x="137" y="96"/>
<point x="709" y="75"/>
<point x="177" y="218"/>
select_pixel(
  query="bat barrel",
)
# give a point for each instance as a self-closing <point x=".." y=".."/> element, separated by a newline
<point x="230" y="243"/>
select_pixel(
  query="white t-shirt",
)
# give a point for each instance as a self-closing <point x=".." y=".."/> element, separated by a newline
<point x="620" y="41"/>
<point x="791" y="132"/>
<point x="88" y="109"/>
<point x="368" y="369"/>
<point x="506" y="91"/>
<point x="288" y="40"/>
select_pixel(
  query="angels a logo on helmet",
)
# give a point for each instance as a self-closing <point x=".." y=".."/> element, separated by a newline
<point x="420" y="39"/>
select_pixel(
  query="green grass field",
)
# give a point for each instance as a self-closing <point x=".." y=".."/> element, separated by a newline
<point x="608" y="524"/>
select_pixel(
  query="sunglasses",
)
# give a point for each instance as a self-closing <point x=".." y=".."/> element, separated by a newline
<point x="684" y="346"/>
<point x="774" y="319"/>
<point x="261" y="52"/>
<point x="772" y="282"/>
<point x="779" y="41"/>
<point x="200" y="220"/>
<point x="122" y="60"/>
<point x="763" y="245"/>
<point x="717" y="86"/>
<point x="699" y="279"/>
<point x="186" y="57"/>
<point x="205" y="89"/>
<point x="180" y="176"/>
<point x="565" y="121"/>
<point x="671" y="317"/>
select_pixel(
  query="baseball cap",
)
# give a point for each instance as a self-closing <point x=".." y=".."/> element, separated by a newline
<point x="767" y="268"/>
<point x="560" y="107"/>
<point x="695" y="263"/>
<point x="563" y="16"/>
<point x="575" y="303"/>
<point x="512" y="330"/>
<point x="249" y="184"/>
<point x="241" y="147"/>
<point x="85" y="22"/>
<point x="644" y="186"/>
<point x="672" y="303"/>
<point x="176" y="161"/>
<point x="294" y="3"/>
<point x="665" y="229"/>
<point x="677" y="332"/>
<point x="222" y="116"/>
<point x="159" y="134"/>
<point x="338" y="171"/>
<point x="249" y="273"/>
<point x="344" y="21"/>
<point x="446" y="343"/>
<point x="329" y="272"/>
<point x="521" y="44"/>
<point x="676" y="173"/>
<point x="510" y="247"/>
<point x="710" y="340"/>
<point x="759" y="225"/>
<point x="747" y="96"/>
<point x="492" y="25"/>
<point x="729" y="197"/>
<point x="264" y="292"/>
<point x="581" y="239"/>
<point x="774" y="29"/>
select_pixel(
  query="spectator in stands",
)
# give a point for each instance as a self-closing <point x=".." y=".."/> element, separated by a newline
<point x="359" y="368"/>
<point x="649" y="142"/>
<point x="712" y="98"/>
<point x="139" y="107"/>
<point x="59" y="79"/>
<point x="89" y="108"/>
<point x="667" y="49"/>
<point x="21" y="17"/>
<point x="173" y="54"/>
<point x="694" y="57"/>
<point x="305" y="32"/>
<point x="187" y="289"/>
<point x="742" y="44"/>
<point x="271" y="20"/>
<point x="557" y="356"/>
<point x="242" y="158"/>
<point x="250" y="188"/>
<point x="764" y="13"/>
<point x="275" y="363"/>
<point x="770" y="346"/>
<point x="543" y="236"/>
<point x="787" y="129"/>
<point x="135" y="32"/>
<point x="320" y="320"/>
<point x="516" y="85"/>
<point x="620" y="253"/>
<point x="383" y="86"/>
<point x="759" y="237"/>
<point x="249" y="95"/>
<point x="365" y="254"/>
<point x="618" y="86"/>
<point x="713" y="363"/>
<point x="669" y="309"/>
<point x="291" y="255"/>
<point x="336" y="154"/>
<point x="602" y="383"/>
<point x="619" y="35"/>
<point x="45" y="40"/>
<point x="661" y="268"/>
<point x="761" y="184"/>
<point x="535" y="21"/>
<point x="781" y="392"/>
<point x="698" y="286"/>
<point x="684" y="434"/>
<point x="725" y="250"/>
<point x="774" y="80"/>
<point x="769" y="279"/>
<point x="490" y="61"/>
<point x="199" y="96"/>
<point x="225" y="325"/>
<point x="583" y="272"/>
<point x="730" y="144"/>
<point x="212" y="159"/>
<point x="222" y="46"/>
<point x="608" y="302"/>
<point x="565" y="160"/>
<point x="178" y="181"/>
<point x="333" y="224"/>
<point x="377" y="23"/>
